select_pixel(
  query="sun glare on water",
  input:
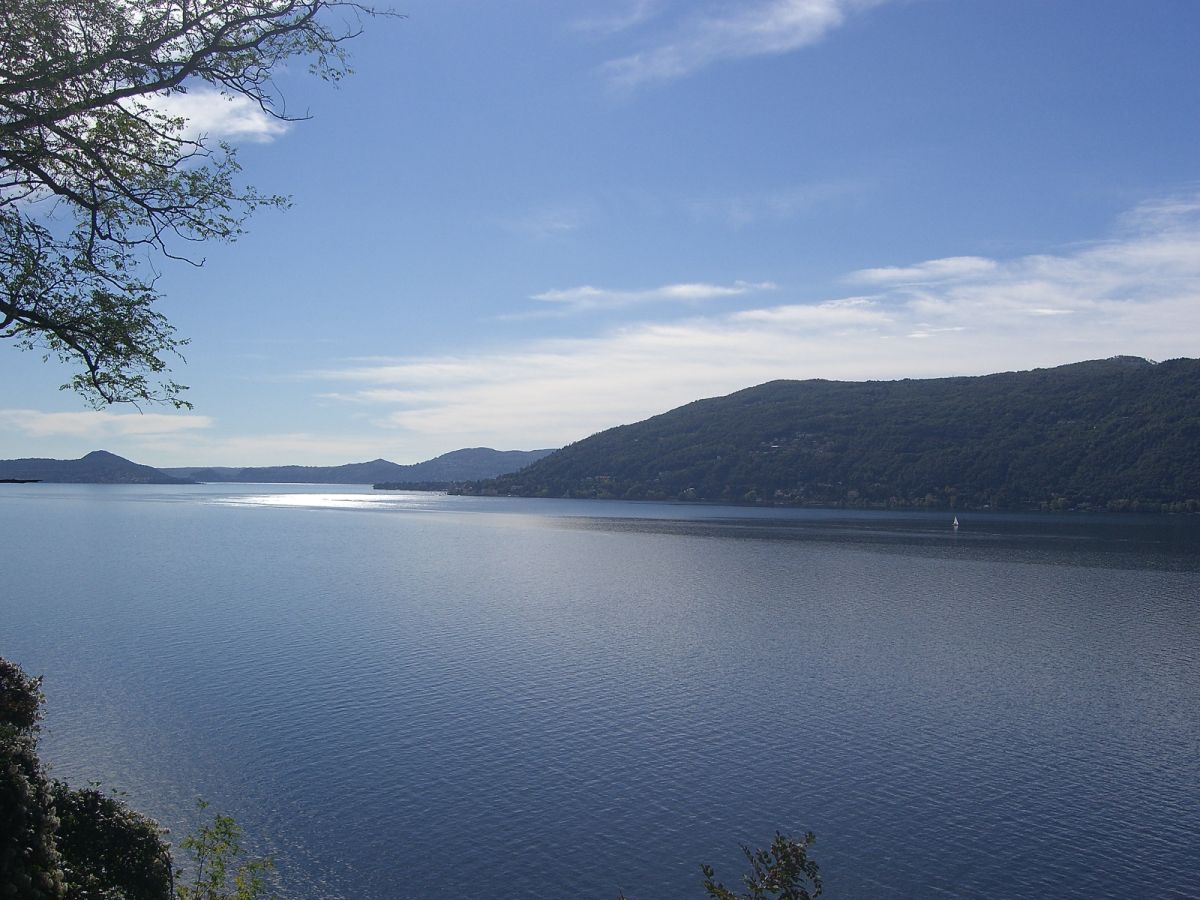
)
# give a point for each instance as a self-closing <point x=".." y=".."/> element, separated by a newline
<point x="334" y="501"/>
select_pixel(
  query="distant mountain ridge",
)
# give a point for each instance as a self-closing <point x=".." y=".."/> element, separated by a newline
<point x="469" y="464"/>
<point x="1121" y="433"/>
<point x="102" y="467"/>
<point x="97" y="467"/>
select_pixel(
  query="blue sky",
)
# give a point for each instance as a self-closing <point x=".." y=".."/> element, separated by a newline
<point x="521" y="223"/>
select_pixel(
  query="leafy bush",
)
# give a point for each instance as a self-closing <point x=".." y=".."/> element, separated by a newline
<point x="782" y="871"/>
<point x="59" y="843"/>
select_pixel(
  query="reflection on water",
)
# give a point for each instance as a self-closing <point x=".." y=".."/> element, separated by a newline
<point x="379" y="501"/>
<point x="435" y="696"/>
<point x="1113" y="541"/>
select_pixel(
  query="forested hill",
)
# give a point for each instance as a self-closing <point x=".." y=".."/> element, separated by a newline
<point x="98" y="467"/>
<point x="1121" y="433"/>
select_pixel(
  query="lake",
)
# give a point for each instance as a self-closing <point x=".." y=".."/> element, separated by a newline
<point x="419" y="696"/>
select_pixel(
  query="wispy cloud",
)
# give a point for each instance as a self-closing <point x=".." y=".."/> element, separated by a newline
<point x="587" y="297"/>
<point x="213" y="114"/>
<point x="97" y="424"/>
<point x="1138" y="293"/>
<point x="546" y="222"/>
<point x="784" y="204"/>
<point x="851" y="311"/>
<point x="628" y="15"/>
<point x="767" y="28"/>
<point x="299" y="448"/>
<point x="1162" y="214"/>
<point x="950" y="268"/>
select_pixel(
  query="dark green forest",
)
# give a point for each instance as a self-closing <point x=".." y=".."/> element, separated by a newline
<point x="1118" y="434"/>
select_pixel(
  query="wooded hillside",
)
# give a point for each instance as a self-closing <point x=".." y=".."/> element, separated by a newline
<point x="1120" y="433"/>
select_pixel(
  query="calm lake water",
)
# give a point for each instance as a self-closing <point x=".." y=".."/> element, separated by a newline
<point x="413" y="695"/>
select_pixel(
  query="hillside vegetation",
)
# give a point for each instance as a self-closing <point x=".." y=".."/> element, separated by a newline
<point x="1121" y="433"/>
<point x="97" y="467"/>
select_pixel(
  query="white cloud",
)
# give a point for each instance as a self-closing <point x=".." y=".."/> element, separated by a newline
<point x="764" y="29"/>
<point x="96" y="424"/>
<point x="290" y="448"/>
<point x="933" y="270"/>
<point x="588" y="297"/>
<point x="850" y="311"/>
<point x="629" y="16"/>
<point x="213" y="114"/>
<point x="1162" y="213"/>
<point x="1137" y="294"/>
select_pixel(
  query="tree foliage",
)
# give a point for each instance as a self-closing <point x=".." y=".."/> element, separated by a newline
<point x="109" y="851"/>
<point x="98" y="180"/>
<point x="219" y="871"/>
<point x="781" y="871"/>
<point x="60" y="843"/>
<point x="30" y="866"/>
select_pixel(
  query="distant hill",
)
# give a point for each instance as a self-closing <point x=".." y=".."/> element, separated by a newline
<point x="459" y="465"/>
<point x="98" y="467"/>
<point x="1121" y="433"/>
